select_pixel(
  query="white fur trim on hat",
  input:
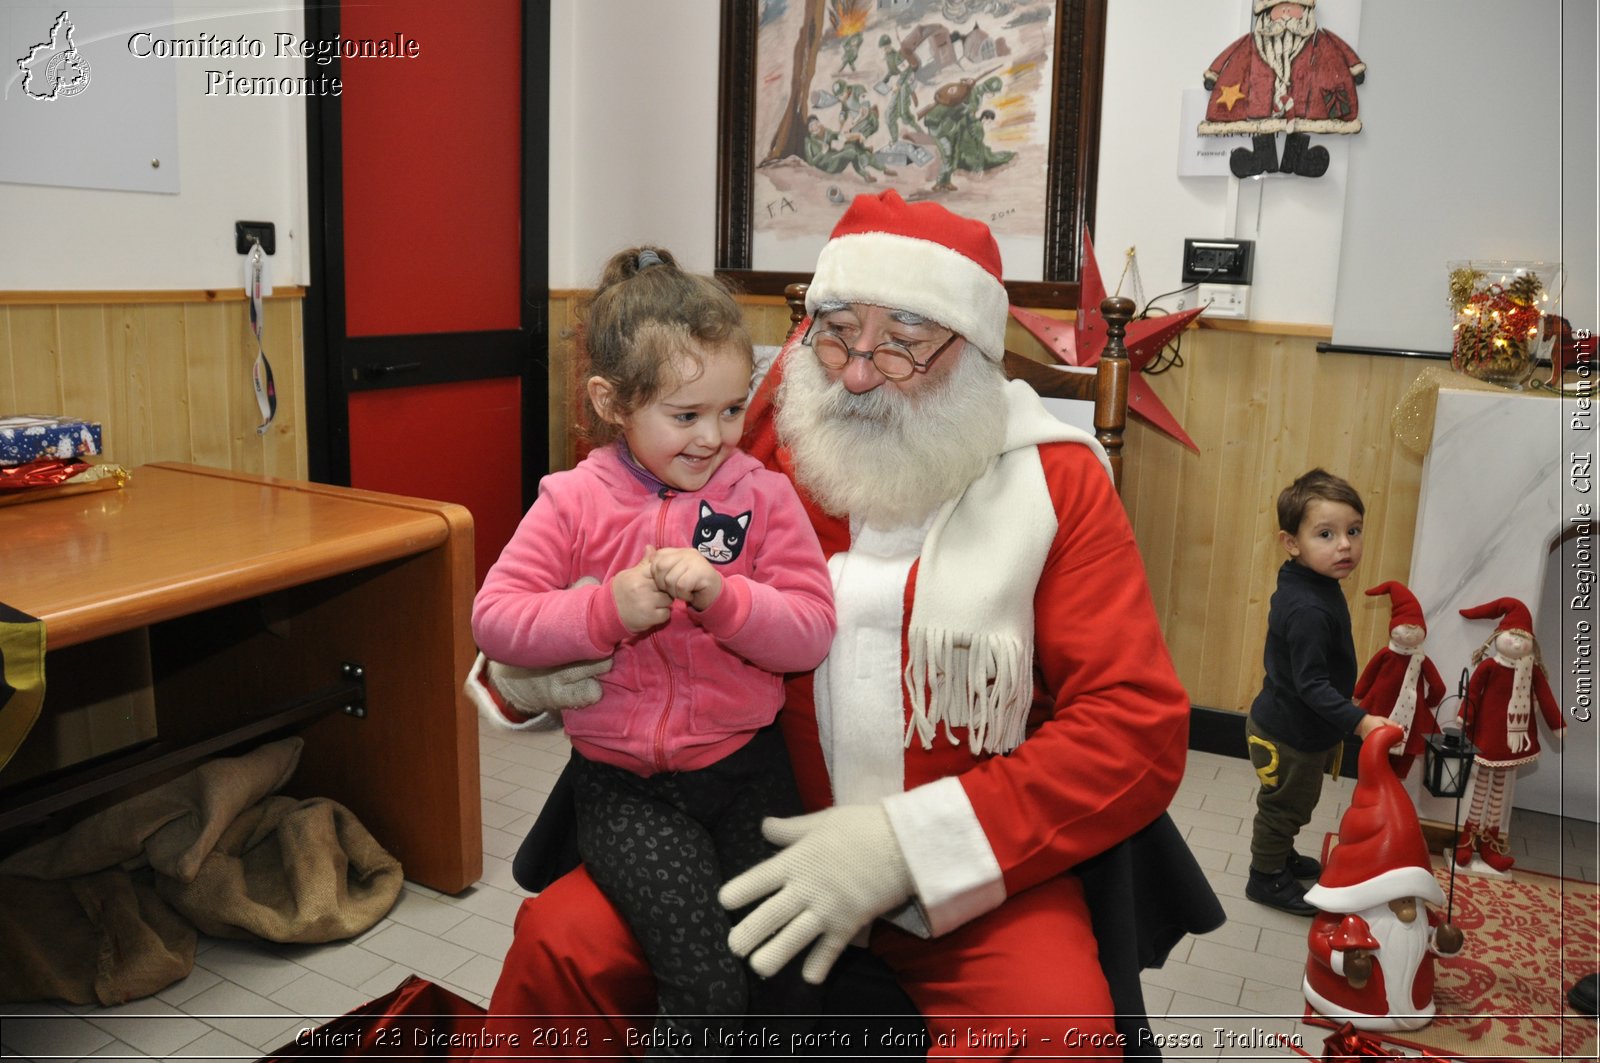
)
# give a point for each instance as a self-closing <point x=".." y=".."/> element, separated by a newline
<point x="924" y="277"/>
<point x="1410" y="881"/>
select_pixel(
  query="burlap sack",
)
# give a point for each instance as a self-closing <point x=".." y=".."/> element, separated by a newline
<point x="173" y="827"/>
<point x="105" y="939"/>
<point x="287" y="870"/>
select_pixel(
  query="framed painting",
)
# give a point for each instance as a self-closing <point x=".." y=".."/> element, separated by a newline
<point x="990" y="107"/>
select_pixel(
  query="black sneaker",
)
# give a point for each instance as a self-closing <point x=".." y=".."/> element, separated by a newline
<point x="1278" y="890"/>
<point x="1303" y="867"/>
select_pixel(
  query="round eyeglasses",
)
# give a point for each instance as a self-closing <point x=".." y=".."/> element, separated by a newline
<point x="891" y="359"/>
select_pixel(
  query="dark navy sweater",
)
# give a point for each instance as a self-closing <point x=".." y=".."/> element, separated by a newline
<point x="1310" y="663"/>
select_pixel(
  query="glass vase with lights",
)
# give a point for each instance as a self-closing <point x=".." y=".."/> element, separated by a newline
<point x="1501" y="324"/>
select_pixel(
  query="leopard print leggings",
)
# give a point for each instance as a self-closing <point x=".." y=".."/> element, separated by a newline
<point x="660" y="848"/>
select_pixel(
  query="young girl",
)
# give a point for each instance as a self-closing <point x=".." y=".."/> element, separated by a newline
<point x="711" y="586"/>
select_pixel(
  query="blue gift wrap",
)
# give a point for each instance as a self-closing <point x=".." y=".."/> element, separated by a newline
<point x="30" y="437"/>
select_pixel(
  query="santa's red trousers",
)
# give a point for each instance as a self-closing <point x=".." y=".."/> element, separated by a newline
<point x="981" y="988"/>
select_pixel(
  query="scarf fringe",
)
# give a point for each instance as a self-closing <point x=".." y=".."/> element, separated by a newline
<point x="983" y="683"/>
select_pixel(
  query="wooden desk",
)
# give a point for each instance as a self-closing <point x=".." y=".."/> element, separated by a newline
<point x="235" y="606"/>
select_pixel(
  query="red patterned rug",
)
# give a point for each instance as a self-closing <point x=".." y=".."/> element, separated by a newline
<point x="1503" y="997"/>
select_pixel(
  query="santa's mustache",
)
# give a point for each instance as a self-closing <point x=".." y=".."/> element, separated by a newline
<point x="1302" y="25"/>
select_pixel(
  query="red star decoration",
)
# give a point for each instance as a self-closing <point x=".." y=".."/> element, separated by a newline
<point x="1082" y="342"/>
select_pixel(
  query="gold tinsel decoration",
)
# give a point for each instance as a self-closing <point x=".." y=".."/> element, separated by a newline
<point x="1463" y="283"/>
<point x="1412" y="419"/>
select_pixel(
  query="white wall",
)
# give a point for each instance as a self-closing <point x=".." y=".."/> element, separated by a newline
<point x="240" y="158"/>
<point x="1429" y="184"/>
<point x="644" y="143"/>
<point x="1155" y="50"/>
<point x="633" y="158"/>
<point x="633" y="132"/>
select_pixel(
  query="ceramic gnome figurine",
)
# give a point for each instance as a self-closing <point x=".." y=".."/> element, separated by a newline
<point x="1507" y="685"/>
<point x="1372" y="945"/>
<point x="1400" y="683"/>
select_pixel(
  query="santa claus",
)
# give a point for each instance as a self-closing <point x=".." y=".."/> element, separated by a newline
<point x="997" y="720"/>
<point x="1508" y="682"/>
<point x="1287" y="76"/>
<point x="1373" y="943"/>
<point x="1400" y="683"/>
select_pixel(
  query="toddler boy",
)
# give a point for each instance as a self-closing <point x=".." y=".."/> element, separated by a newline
<point x="1298" y="722"/>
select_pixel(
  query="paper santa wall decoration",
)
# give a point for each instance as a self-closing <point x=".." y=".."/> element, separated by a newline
<point x="1372" y="945"/>
<point x="1286" y="76"/>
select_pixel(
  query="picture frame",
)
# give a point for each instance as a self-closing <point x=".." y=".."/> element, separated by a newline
<point x="1069" y="186"/>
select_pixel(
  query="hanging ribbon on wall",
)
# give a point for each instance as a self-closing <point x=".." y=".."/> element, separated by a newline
<point x="261" y="374"/>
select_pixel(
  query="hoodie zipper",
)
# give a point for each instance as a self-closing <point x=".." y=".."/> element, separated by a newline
<point x="666" y="494"/>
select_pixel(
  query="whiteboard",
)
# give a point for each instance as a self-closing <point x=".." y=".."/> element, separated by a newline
<point x="1478" y="142"/>
<point x="77" y="108"/>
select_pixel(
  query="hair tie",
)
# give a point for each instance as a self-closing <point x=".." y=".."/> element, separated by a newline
<point x="648" y="258"/>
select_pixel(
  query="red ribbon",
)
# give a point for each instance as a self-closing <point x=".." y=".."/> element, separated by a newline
<point x="46" y="472"/>
<point x="1346" y="1043"/>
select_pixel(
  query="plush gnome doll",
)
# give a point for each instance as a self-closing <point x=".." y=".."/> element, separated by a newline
<point x="1372" y="944"/>
<point x="1289" y="76"/>
<point x="1400" y="683"/>
<point x="1506" y="686"/>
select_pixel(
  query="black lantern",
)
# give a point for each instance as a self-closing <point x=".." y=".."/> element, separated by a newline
<point x="1447" y="762"/>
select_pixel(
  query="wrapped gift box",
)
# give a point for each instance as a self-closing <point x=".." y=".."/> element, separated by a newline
<point x="29" y="437"/>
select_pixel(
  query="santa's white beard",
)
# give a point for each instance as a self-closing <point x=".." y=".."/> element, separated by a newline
<point x="1279" y="41"/>
<point x="885" y="457"/>
<point x="1402" y="948"/>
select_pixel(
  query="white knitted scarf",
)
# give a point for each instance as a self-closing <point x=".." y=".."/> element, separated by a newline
<point x="1405" y="704"/>
<point x="1519" y="709"/>
<point x="970" y="659"/>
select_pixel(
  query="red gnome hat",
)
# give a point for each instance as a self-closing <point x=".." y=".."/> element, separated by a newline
<point x="1403" y="605"/>
<point x="1515" y="615"/>
<point x="1382" y="855"/>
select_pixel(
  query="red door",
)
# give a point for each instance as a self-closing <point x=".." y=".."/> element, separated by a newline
<point x="430" y="171"/>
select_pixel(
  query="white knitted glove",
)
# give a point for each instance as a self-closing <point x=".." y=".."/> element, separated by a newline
<point x="841" y="868"/>
<point x="530" y="699"/>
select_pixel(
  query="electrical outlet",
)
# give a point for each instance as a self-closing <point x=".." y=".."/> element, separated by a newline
<point x="1224" y="300"/>
<point x="1218" y="261"/>
<point x="246" y="233"/>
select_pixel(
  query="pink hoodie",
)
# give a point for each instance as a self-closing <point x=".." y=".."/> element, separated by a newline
<point x="688" y="693"/>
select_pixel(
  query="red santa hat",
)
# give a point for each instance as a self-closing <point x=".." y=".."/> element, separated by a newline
<point x="1403" y="605"/>
<point x="1515" y="615"/>
<point x="918" y="257"/>
<point x="1382" y="855"/>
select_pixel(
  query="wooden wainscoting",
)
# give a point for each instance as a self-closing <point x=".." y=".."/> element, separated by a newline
<point x="1263" y="406"/>
<point x="167" y="374"/>
<point x="1263" y="409"/>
